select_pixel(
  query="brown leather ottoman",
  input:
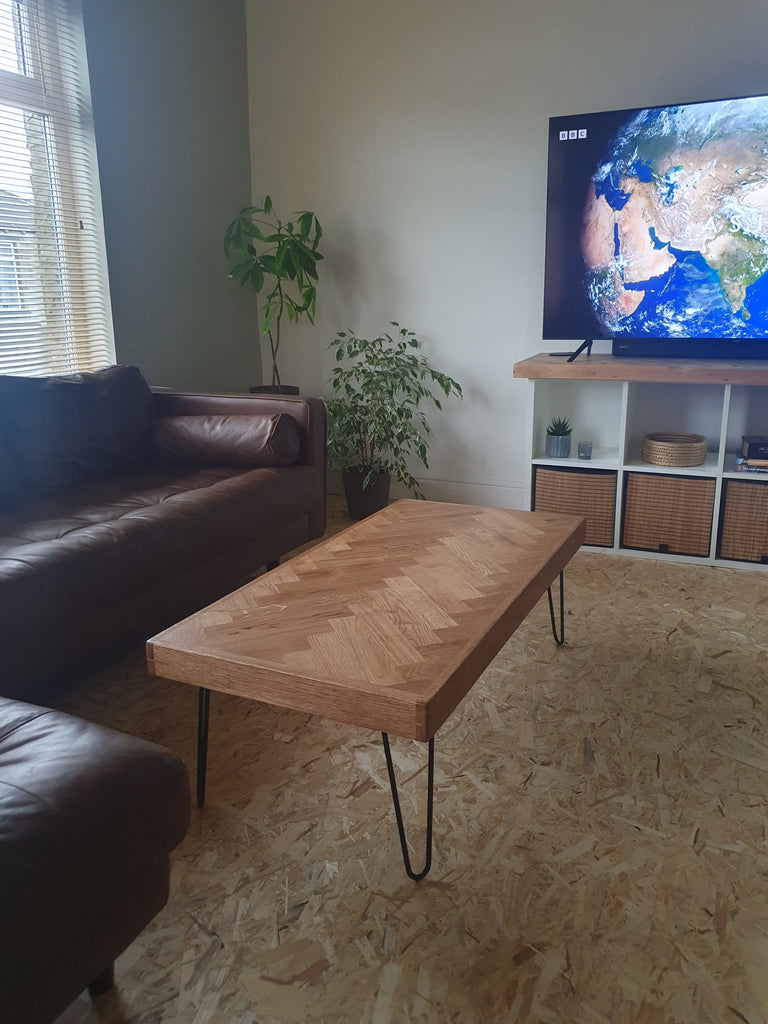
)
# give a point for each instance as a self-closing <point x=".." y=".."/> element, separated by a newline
<point x="88" y="818"/>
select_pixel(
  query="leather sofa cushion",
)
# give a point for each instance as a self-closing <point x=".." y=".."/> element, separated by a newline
<point x="126" y="533"/>
<point x="65" y="430"/>
<point x="228" y="440"/>
<point x="10" y="478"/>
<point x="61" y="773"/>
<point x="88" y="817"/>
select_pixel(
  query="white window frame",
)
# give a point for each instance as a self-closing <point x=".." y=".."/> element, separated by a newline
<point x="10" y="293"/>
<point x="66" y="324"/>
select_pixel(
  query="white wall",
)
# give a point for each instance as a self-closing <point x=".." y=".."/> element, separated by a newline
<point x="168" y="81"/>
<point x="416" y="130"/>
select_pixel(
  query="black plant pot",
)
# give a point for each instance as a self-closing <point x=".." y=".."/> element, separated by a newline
<point x="362" y="502"/>
<point x="274" y="389"/>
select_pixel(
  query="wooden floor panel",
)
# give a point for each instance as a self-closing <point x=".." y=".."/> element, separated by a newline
<point x="600" y="832"/>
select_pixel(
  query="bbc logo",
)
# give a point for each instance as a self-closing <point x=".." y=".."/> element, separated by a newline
<point x="574" y="133"/>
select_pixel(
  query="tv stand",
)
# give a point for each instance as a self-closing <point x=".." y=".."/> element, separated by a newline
<point x="572" y="355"/>
<point x="707" y="514"/>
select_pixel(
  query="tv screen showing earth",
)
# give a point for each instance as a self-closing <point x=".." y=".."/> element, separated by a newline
<point x="675" y="227"/>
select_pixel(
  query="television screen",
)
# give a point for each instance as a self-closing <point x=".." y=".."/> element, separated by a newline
<point x="657" y="229"/>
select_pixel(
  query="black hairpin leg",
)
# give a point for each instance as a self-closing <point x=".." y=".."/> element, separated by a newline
<point x="203" y="705"/>
<point x="416" y="876"/>
<point x="559" y="640"/>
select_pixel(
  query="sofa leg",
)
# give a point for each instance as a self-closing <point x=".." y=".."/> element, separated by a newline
<point x="103" y="983"/>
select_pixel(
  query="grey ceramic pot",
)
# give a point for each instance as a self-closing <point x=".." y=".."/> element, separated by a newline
<point x="558" y="446"/>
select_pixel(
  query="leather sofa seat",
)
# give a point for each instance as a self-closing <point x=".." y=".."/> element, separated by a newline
<point x="72" y="554"/>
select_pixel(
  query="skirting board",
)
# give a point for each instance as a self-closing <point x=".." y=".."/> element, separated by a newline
<point x="512" y="495"/>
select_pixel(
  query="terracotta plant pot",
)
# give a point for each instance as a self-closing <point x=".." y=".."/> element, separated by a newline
<point x="362" y="502"/>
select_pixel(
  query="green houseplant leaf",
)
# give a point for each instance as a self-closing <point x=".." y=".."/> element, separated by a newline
<point x="281" y="256"/>
<point x="375" y="422"/>
<point x="559" y="427"/>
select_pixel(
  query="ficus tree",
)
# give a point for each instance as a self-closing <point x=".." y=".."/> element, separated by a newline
<point x="375" y="419"/>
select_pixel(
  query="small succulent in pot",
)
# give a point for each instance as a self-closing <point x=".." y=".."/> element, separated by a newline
<point x="559" y="427"/>
<point x="559" y="438"/>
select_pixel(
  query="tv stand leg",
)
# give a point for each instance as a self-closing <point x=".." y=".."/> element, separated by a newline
<point x="584" y="345"/>
<point x="572" y="355"/>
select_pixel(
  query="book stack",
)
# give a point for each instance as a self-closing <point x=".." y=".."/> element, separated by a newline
<point x="754" y="454"/>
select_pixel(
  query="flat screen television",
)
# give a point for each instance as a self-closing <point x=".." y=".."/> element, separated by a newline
<point x="657" y="229"/>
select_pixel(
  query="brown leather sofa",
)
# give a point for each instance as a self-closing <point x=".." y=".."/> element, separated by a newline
<point x="123" y="509"/>
<point x="88" y="818"/>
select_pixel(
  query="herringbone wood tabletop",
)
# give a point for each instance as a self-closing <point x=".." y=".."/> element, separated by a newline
<point x="386" y="625"/>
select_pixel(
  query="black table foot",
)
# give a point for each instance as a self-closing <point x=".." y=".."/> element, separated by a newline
<point x="416" y="876"/>
<point x="203" y="706"/>
<point x="559" y="640"/>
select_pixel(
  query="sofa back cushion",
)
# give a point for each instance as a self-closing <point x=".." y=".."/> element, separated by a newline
<point x="10" y="477"/>
<point x="61" y="431"/>
<point x="258" y="440"/>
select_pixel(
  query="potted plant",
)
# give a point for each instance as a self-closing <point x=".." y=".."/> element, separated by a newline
<point x="375" y="423"/>
<point x="281" y="256"/>
<point x="558" y="444"/>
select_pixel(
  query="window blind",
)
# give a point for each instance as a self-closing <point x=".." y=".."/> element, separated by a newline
<point x="55" y="314"/>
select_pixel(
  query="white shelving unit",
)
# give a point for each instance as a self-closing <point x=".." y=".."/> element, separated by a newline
<point x="614" y="402"/>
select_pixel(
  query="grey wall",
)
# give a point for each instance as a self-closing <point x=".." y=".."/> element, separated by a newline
<point x="417" y="131"/>
<point x="170" y="103"/>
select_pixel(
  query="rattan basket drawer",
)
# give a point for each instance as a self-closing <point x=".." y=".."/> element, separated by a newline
<point x="744" y="522"/>
<point x="588" y="493"/>
<point x="668" y="513"/>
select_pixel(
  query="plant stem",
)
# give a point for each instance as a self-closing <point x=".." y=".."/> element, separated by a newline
<point x="276" y="347"/>
<point x="273" y="350"/>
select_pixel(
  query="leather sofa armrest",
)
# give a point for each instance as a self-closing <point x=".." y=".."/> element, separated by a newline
<point x="309" y="413"/>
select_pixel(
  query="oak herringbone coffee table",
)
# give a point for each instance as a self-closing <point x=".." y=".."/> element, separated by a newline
<point x="386" y="625"/>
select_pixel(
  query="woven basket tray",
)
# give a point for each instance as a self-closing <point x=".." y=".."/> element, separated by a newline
<point x="744" y="524"/>
<point x="674" y="449"/>
<point x="668" y="513"/>
<point x="587" y="493"/>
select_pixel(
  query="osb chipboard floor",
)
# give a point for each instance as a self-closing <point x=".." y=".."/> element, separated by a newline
<point x="600" y="832"/>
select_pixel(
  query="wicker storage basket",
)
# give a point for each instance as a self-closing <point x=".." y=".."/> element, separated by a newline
<point x="591" y="494"/>
<point x="744" y="522"/>
<point x="668" y="513"/>
<point x="674" y="449"/>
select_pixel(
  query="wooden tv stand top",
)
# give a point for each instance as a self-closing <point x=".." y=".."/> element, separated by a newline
<point x="666" y="371"/>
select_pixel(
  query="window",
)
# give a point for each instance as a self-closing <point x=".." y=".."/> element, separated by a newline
<point x="54" y="297"/>
<point x="10" y="297"/>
